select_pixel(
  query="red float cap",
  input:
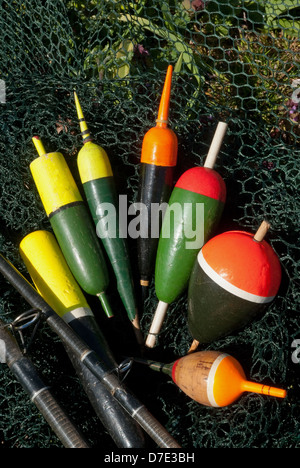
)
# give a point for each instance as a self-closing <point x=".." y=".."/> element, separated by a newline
<point x="204" y="181"/>
<point x="241" y="265"/>
<point x="174" y="369"/>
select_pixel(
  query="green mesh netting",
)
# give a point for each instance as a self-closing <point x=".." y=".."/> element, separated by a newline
<point x="234" y="60"/>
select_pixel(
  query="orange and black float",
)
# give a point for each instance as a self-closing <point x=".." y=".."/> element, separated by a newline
<point x="158" y="160"/>
<point x="212" y="378"/>
<point x="236" y="275"/>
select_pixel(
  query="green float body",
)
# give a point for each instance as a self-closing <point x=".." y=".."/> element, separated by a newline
<point x="210" y="320"/>
<point x="97" y="179"/>
<point x="76" y="236"/>
<point x="174" y="261"/>
<point x="102" y="191"/>
<point x="235" y="277"/>
<point x="196" y="205"/>
<point x="71" y="222"/>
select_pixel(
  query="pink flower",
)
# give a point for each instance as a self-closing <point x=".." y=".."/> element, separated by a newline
<point x="292" y="106"/>
<point x="198" y="5"/>
<point x="140" y="50"/>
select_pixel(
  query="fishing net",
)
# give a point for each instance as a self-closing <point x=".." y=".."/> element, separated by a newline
<point x="236" y="61"/>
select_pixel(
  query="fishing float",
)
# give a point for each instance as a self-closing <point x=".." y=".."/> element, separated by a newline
<point x="71" y="223"/>
<point x="69" y="338"/>
<point x="235" y="277"/>
<point x="55" y="282"/>
<point x="212" y="378"/>
<point x="158" y="160"/>
<point x="196" y="203"/>
<point x="99" y="187"/>
<point x="40" y="395"/>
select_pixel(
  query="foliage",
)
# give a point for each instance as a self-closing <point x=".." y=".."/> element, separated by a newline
<point x="241" y="53"/>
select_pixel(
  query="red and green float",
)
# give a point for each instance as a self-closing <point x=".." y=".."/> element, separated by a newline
<point x="236" y="276"/>
<point x="192" y="215"/>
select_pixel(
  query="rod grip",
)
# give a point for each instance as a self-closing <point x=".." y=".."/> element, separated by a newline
<point x="140" y="413"/>
<point x="70" y="339"/>
<point x="156" y="431"/>
<point x="26" y="374"/>
<point x="57" y="420"/>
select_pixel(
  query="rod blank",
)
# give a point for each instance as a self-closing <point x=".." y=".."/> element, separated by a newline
<point x="26" y="374"/>
<point x="69" y="338"/>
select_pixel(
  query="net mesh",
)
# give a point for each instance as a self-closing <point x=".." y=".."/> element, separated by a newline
<point x="233" y="60"/>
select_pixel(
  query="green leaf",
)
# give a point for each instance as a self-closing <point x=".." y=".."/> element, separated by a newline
<point x="168" y="17"/>
<point x="178" y="65"/>
<point x="277" y="7"/>
<point x="178" y="42"/>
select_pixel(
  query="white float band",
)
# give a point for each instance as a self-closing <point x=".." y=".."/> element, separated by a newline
<point x="223" y="283"/>
<point x="211" y="380"/>
<point x="77" y="313"/>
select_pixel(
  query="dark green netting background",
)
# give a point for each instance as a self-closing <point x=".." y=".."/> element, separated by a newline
<point x="234" y="60"/>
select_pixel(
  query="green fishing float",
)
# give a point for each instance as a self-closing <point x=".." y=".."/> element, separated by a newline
<point x="71" y="222"/>
<point x="98" y="183"/>
<point x="193" y="213"/>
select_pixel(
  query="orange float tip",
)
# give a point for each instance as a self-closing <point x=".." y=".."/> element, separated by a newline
<point x="229" y="382"/>
<point x="254" y="387"/>
<point x="163" y="111"/>
<point x="160" y="145"/>
<point x="85" y="133"/>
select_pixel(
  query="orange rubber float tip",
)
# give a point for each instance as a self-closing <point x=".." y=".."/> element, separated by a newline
<point x="163" y="111"/>
<point x="160" y="144"/>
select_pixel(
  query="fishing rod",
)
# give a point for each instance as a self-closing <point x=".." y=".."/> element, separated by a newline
<point x="55" y="282"/>
<point x="87" y="356"/>
<point x="25" y="372"/>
